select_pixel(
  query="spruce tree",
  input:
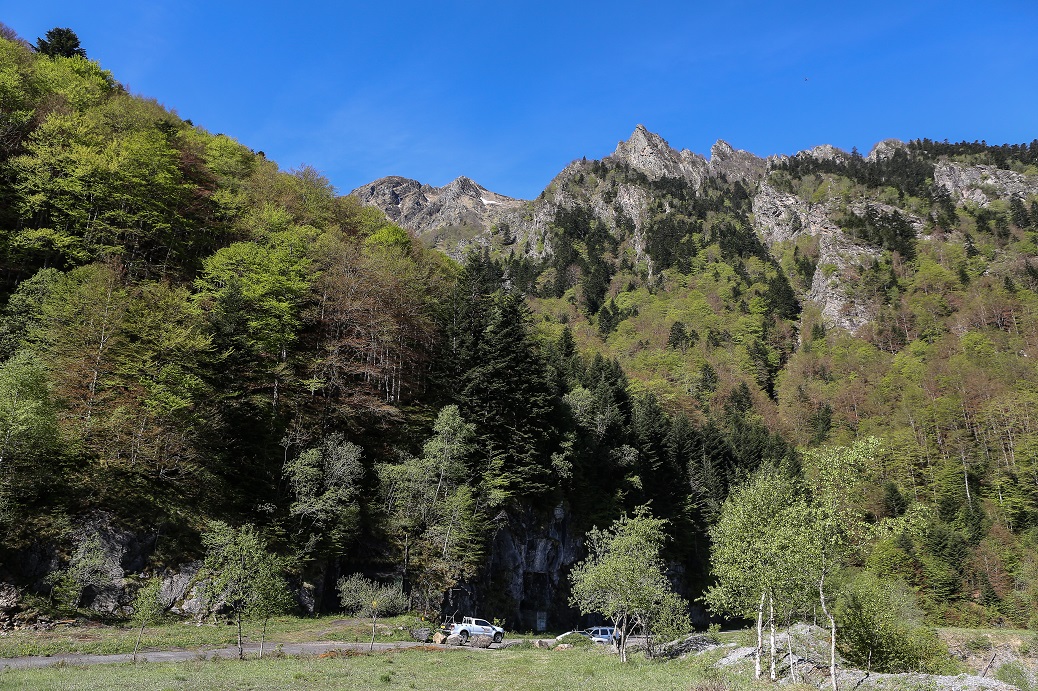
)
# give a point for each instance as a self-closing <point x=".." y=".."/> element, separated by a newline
<point x="60" y="43"/>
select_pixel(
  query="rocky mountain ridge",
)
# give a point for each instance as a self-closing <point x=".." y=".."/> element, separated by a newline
<point x="464" y="214"/>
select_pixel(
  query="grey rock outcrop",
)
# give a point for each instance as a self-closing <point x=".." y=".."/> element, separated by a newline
<point x="885" y="149"/>
<point x="824" y="152"/>
<point x="649" y="153"/>
<point x="982" y="184"/>
<point x="838" y="256"/>
<point x="528" y="560"/>
<point x="463" y="206"/>
<point x="693" y="643"/>
<point x="9" y="597"/>
<point x="104" y="554"/>
<point x="181" y="591"/>
<point x="736" y="164"/>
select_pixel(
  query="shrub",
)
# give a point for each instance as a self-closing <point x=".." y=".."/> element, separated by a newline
<point x="880" y="627"/>
<point x="978" y="644"/>
<point x="577" y="641"/>
<point x="1015" y="674"/>
<point x="365" y="597"/>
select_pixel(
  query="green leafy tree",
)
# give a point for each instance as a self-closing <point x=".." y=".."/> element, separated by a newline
<point x="28" y="431"/>
<point x="755" y="554"/>
<point x="147" y="609"/>
<point x="360" y="596"/>
<point x="89" y="566"/>
<point x="835" y="527"/>
<point x="881" y="627"/>
<point x="325" y="483"/>
<point x="242" y="574"/>
<point x="623" y="578"/>
<point x="434" y="516"/>
<point x="253" y="295"/>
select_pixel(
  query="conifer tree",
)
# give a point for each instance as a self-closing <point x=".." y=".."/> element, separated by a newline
<point x="61" y="43"/>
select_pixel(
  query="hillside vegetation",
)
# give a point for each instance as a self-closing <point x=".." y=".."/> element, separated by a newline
<point x="191" y="334"/>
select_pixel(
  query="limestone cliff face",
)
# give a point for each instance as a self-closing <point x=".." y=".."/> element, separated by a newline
<point x="527" y="567"/>
<point x="450" y="218"/>
<point x="736" y="164"/>
<point x="464" y="214"/>
<point x="783" y="217"/>
<point x="647" y="152"/>
<point x="982" y="184"/>
<point x="885" y="149"/>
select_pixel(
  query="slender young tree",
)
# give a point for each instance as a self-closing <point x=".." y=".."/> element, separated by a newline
<point x="755" y="557"/>
<point x="240" y="572"/>
<point x="147" y="608"/>
<point x="623" y="578"/>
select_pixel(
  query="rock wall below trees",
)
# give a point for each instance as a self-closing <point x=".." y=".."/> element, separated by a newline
<point x="526" y="578"/>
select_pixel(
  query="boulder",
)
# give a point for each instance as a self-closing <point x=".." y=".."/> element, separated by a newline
<point x="481" y="641"/>
<point x="695" y="643"/>
<point x="439" y="637"/>
<point x="421" y="635"/>
<point x="542" y="644"/>
<point x="453" y="639"/>
<point x="563" y="646"/>
<point x="306" y="598"/>
<point x="180" y="591"/>
<point x="8" y="597"/>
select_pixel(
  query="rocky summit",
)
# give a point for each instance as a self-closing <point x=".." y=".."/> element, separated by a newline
<point x="464" y="214"/>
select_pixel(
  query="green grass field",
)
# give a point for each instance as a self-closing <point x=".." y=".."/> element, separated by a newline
<point x="108" y="640"/>
<point x="524" y="668"/>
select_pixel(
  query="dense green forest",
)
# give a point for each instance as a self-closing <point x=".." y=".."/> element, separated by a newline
<point x="189" y="334"/>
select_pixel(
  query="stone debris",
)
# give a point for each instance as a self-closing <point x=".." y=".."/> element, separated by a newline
<point x="695" y="643"/>
<point x="480" y="641"/>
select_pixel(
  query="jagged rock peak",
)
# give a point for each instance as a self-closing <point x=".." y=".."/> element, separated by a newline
<point x="651" y="154"/>
<point x="885" y="149"/>
<point x="721" y="149"/>
<point x="736" y="164"/>
<point x="825" y="152"/>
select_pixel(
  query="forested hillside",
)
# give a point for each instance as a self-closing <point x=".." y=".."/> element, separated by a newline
<point x="190" y="334"/>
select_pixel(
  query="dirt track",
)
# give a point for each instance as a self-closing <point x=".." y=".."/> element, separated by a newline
<point x="208" y="653"/>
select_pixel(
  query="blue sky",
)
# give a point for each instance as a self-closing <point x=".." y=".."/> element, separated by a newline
<point x="508" y="93"/>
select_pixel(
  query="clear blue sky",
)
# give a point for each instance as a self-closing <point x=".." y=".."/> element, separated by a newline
<point x="508" y="93"/>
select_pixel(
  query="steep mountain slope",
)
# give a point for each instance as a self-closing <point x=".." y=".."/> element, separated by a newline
<point x="831" y="296"/>
<point x="782" y="219"/>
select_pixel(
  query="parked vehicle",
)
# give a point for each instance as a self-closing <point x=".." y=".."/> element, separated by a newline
<point x="604" y="634"/>
<point x="470" y="626"/>
<point x="598" y="634"/>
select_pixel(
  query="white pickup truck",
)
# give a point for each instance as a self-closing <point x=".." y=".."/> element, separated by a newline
<point x="471" y="626"/>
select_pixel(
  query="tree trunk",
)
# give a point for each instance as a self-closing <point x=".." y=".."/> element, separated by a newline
<point x="771" y="614"/>
<point x="832" y="632"/>
<point x="789" y="651"/>
<point x="623" y="639"/>
<point x="263" y="635"/>
<point x="760" y="637"/>
<point x="374" y="618"/>
<point x="241" y="648"/>
<point x="137" y="645"/>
